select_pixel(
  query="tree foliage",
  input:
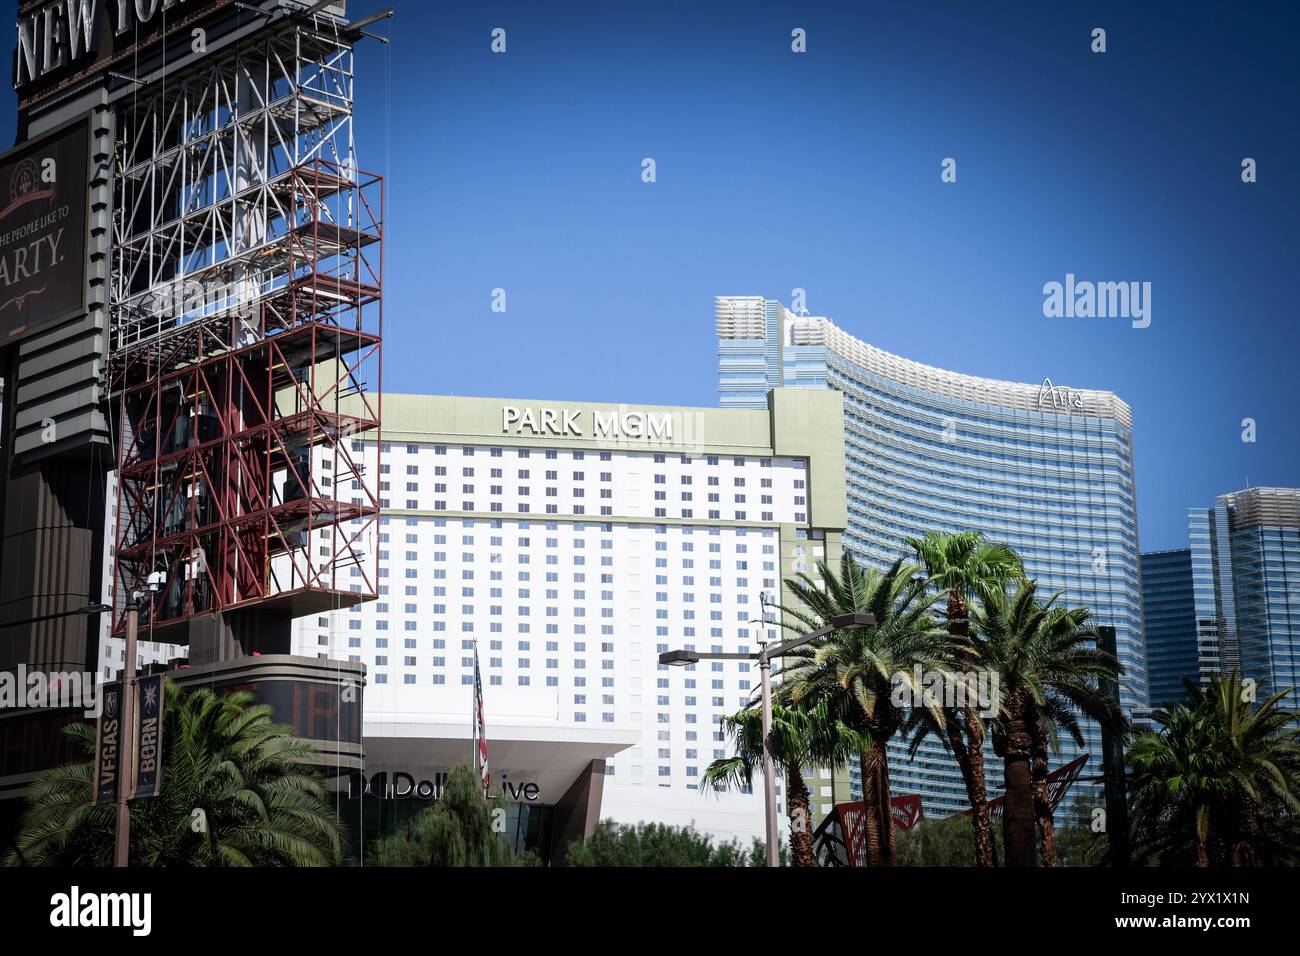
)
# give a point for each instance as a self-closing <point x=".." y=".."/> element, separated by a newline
<point x="236" y="791"/>
<point x="854" y="669"/>
<point x="1218" y="782"/>
<point x="461" y="828"/>
<point x="658" y="844"/>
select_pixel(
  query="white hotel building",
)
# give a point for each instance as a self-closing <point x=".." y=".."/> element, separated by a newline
<point x="573" y="542"/>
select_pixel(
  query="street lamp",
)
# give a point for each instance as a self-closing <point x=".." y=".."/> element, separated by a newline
<point x="88" y="609"/>
<point x="122" y="848"/>
<point x="764" y="657"/>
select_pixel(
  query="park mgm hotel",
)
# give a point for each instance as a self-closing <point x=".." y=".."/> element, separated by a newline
<point x="573" y="542"/>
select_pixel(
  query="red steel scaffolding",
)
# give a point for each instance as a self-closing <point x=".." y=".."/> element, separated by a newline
<point x="245" y="363"/>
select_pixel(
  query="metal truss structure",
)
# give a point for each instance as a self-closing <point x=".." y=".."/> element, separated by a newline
<point x="840" y="840"/>
<point x="246" y="324"/>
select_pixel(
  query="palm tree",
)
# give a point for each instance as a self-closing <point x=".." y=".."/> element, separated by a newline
<point x="1262" y="755"/>
<point x="1178" y="775"/>
<point x="961" y="566"/>
<point x="798" y="738"/>
<point x="1219" y="774"/>
<point x="236" y="791"/>
<point x="1050" y="670"/>
<point x="855" y="669"/>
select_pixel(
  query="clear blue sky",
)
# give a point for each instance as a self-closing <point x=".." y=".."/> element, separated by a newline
<point x="821" y="171"/>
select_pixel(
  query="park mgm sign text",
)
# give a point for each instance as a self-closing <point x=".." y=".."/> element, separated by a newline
<point x="652" y="426"/>
<point x="63" y="33"/>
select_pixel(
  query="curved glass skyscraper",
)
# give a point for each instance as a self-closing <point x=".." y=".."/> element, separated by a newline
<point x="1044" y="468"/>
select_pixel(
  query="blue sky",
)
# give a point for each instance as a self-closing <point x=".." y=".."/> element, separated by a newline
<point x="821" y="171"/>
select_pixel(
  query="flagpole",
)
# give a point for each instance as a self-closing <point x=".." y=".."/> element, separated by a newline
<point x="473" y="714"/>
<point x="479" y="736"/>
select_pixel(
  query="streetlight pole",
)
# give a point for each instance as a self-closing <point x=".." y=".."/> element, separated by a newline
<point x="764" y="658"/>
<point x="769" y="785"/>
<point x="122" y="850"/>
<point x="41" y="619"/>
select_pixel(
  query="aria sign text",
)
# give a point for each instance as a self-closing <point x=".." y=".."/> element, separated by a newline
<point x="1058" y="396"/>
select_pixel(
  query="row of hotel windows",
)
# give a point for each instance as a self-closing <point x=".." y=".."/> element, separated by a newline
<point x="606" y="477"/>
<point x="605" y="527"/>
<point x="606" y="511"/>
<point x="523" y="507"/>
<point x="552" y="454"/>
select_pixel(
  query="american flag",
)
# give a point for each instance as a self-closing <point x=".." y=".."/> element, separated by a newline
<point x="480" y="729"/>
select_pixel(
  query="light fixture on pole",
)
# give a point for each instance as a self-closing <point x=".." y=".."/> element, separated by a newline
<point x="126" y="778"/>
<point x="88" y="609"/>
<point x="680" y="658"/>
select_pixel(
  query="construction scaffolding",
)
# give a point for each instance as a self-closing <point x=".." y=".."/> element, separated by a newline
<point x="246" y="324"/>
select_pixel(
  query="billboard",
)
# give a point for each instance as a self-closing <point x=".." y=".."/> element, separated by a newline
<point x="61" y="41"/>
<point x="43" y="231"/>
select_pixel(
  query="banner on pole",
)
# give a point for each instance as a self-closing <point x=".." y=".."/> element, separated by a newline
<point x="148" y="738"/>
<point x="108" y="741"/>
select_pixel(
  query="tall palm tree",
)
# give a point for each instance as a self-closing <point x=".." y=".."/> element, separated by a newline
<point x="1049" y="670"/>
<point x="854" y="669"/>
<point x="799" y="738"/>
<point x="1220" y="775"/>
<point x="236" y="791"/>
<point x="960" y="567"/>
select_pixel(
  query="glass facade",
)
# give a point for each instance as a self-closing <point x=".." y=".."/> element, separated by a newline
<point x="1216" y="624"/>
<point x="1264" y="536"/>
<point x="1044" y="469"/>
<point x="1170" y="613"/>
<point x="368" y="819"/>
<point x="1245" y="568"/>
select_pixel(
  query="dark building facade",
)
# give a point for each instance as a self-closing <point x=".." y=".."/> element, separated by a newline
<point x="1169" y="612"/>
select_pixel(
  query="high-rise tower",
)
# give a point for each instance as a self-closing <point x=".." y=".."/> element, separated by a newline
<point x="1045" y="468"/>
